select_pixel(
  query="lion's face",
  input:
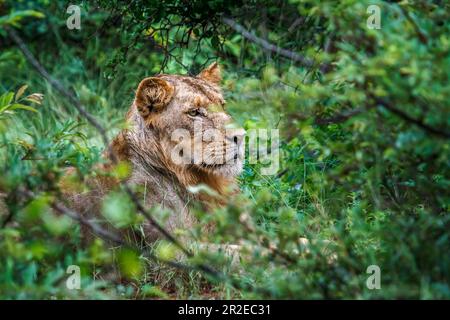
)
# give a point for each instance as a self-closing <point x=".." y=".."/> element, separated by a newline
<point x="188" y="115"/>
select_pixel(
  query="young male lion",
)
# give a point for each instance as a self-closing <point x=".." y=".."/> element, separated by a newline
<point x="178" y="136"/>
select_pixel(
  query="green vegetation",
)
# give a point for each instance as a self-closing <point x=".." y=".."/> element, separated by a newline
<point x="364" y="122"/>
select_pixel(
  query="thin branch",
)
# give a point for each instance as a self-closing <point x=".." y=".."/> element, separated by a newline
<point x="108" y="236"/>
<point x="334" y="119"/>
<point x="340" y="117"/>
<point x="422" y="36"/>
<point x="55" y="83"/>
<point x="114" y="238"/>
<point x="345" y="115"/>
<point x="297" y="22"/>
<point x="97" y="229"/>
<point x="302" y="60"/>
<point x="400" y="113"/>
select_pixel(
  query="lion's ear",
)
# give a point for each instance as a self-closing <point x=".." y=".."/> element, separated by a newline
<point x="153" y="94"/>
<point x="211" y="74"/>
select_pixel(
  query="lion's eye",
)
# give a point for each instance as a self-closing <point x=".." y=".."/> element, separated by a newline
<point x="194" y="112"/>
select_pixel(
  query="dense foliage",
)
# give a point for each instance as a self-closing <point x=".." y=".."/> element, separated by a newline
<point x="364" y="124"/>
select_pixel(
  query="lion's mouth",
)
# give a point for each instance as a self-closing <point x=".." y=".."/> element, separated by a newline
<point x="221" y="164"/>
<point x="212" y="166"/>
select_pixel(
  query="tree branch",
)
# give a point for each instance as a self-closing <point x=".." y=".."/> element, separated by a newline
<point x="108" y="236"/>
<point x="345" y="115"/>
<point x="302" y="60"/>
<point x="400" y="113"/>
<point x="55" y="83"/>
<point x="422" y="37"/>
<point x="340" y="117"/>
<point x="114" y="238"/>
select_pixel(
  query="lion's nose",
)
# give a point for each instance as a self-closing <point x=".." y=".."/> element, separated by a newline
<point x="236" y="136"/>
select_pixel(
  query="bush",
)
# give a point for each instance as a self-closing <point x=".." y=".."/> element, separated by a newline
<point x="364" y="152"/>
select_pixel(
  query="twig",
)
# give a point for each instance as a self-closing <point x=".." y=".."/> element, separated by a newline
<point x="344" y="116"/>
<point x="340" y="117"/>
<point x="302" y="60"/>
<point x="408" y="118"/>
<point x="296" y="23"/>
<point x="422" y="37"/>
<point x="111" y="237"/>
<point x="55" y="83"/>
<point x="334" y="119"/>
<point x="106" y="235"/>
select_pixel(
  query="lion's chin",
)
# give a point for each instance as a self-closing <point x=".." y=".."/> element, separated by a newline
<point x="230" y="169"/>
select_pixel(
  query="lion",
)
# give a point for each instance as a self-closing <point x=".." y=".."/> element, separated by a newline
<point x="178" y="136"/>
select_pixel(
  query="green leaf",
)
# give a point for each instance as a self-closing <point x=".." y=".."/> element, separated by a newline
<point x="6" y="99"/>
<point x="149" y="291"/>
<point x="118" y="210"/>
<point x="20" y="92"/>
<point x="57" y="224"/>
<point x="16" y="106"/>
<point x="15" y="17"/>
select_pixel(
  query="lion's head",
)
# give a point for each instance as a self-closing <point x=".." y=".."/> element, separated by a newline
<point x="179" y="123"/>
